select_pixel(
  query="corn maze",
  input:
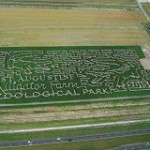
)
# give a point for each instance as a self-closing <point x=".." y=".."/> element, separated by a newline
<point x="31" y="74"/>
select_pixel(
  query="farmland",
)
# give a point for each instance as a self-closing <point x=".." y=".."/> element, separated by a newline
<point x="49" y="116"/>
<point x="73" y="68"/>
<point x="77" y="114"/>
<point x="67" y="27"/>
<point x="68" y="73"/>
<point x="61" y="69"/>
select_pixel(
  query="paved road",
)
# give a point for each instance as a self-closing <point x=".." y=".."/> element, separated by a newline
<point x="140" y="146"/>
<point x="75" y="138"/>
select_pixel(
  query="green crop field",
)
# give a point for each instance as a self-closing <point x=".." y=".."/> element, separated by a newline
<point x="33" y="74"/>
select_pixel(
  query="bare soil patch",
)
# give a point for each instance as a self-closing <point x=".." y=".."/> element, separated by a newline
<point x="41" y="27"/>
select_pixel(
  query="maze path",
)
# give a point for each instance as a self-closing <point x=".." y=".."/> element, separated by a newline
<point x="71" y="73"/>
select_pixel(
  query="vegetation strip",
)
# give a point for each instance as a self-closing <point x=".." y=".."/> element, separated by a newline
<point x="74" y="126"/>
<point x="72" y="132"/>
<point x="128" y="5"/>
<point x="71" y="102"/>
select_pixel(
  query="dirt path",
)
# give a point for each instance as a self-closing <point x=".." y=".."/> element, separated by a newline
<point x="73" y="126"/>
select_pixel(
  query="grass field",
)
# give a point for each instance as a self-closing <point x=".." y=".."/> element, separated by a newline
<point x="102" y="144"/>
<point x="59" y="4"/>
<point x="42" y="117"/>
<point x="43" y="27"/>
<point x="72" y="132"/>
<point x="147" y="7"/>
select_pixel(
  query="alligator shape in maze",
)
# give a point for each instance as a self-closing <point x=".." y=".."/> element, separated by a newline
<point x="62" y="73"/>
